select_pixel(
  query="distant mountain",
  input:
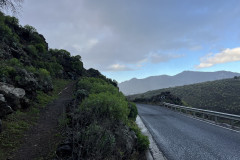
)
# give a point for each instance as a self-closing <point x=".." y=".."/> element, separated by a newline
<point x="135" y="86"/>
<point x="220" y="95"/>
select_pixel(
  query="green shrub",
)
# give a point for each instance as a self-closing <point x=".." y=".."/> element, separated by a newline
<point x="96" y="142"/>
<point x="31" y="49"/>
<point x="99" y="88"/>
<point x="43" y="99"/>
<point x="133" y="111"/>
<point x="106" y="105"/>
<point x="143" y="141"/>
<point x="40" y="48"/>
<point x="12" y="22"/>
<point x="31" y="69"/>
<point x="84" y="84"/>
<point x="7" y="71"/>
<point x="15" y="62"/>
<point x="77" y="64"/>
<point x="30" y="29"/>
<point x="43" y="72"/>
<point x="87" y="83"/>
<point x="81" y="94"/>
<point x="96" y="85"/>
<point x="17" y="78"/>
<point x="5" y="32"/>
<point x="55" y="69"/>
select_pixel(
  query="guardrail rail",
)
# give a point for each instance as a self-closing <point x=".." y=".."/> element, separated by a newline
<point x="232" y="117"/>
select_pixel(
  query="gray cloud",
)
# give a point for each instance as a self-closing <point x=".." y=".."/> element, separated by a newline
<point x="110" y="32"/>
<point x="158" y="57"/>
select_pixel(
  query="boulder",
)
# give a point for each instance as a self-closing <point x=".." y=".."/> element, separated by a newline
<point x="7" y="89"/>
<point x="2" y="98"/>
<point x="5" y="109"/>
<point x="12" y="97"/>
<point x="27" y="81"/>
<point x="64" y="150"/>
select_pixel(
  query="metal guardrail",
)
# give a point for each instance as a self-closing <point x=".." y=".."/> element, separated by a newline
<point x="217" y="115"/>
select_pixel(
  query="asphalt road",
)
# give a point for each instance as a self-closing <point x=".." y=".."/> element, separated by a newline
<point x="181" y="137"/>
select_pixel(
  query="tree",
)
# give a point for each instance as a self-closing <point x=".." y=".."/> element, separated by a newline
<point x="236" y="77"/>
<point x="13" y="5"/>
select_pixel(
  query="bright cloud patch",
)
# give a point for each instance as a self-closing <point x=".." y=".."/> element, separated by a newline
<point x="118" y="67"/>
<point x="227" y="55"/>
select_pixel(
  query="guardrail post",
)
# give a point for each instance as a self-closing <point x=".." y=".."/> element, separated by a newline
<point x="194" y="114"/>
<point x="216" y="119"/>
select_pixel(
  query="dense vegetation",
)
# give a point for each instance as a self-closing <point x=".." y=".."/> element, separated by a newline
<point x="28" y="63"/>
<point x="25" y="51"/>
<point x="31" y="76"/>
<point x="102" y="123"/>
<point x="220" y="95"/>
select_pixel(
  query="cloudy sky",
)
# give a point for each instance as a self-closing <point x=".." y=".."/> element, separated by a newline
<point x="139" y="38"/>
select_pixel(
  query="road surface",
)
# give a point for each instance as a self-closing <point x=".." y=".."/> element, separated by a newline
<point x="181" y="137"/>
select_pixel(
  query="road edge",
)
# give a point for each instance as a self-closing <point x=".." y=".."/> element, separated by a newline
<point x="153" y="153"/>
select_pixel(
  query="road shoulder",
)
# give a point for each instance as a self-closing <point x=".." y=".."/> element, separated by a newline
<point x="153" y="153"/>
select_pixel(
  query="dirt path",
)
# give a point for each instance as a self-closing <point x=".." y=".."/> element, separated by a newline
<point x="38" y="141"/>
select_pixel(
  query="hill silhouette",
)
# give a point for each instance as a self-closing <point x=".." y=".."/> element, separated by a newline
<point x="219" y="95"/>
<point x="135" y="86"/>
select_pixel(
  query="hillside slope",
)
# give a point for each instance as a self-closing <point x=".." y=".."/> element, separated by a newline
<point x="135" y="86"/>
<point x="31" y="76"/>
<point x="28" y="66"/>
<point x="219" y="95"/>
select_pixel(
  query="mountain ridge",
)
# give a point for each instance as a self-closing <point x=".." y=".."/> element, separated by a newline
<point x="219" y="95"/>
<point x="135" y="86"/>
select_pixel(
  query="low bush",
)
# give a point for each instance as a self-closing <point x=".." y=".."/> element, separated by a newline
<point x="15" y="62"/>
<point x="105" y="105"/>
<point x="81" y="94"/>
<point x="133" y="111"/>
<point x="96" y="142"/>
<point x="142" y="140"/>
<point x="103" y="125"/>
<point x="96" y="85"/>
